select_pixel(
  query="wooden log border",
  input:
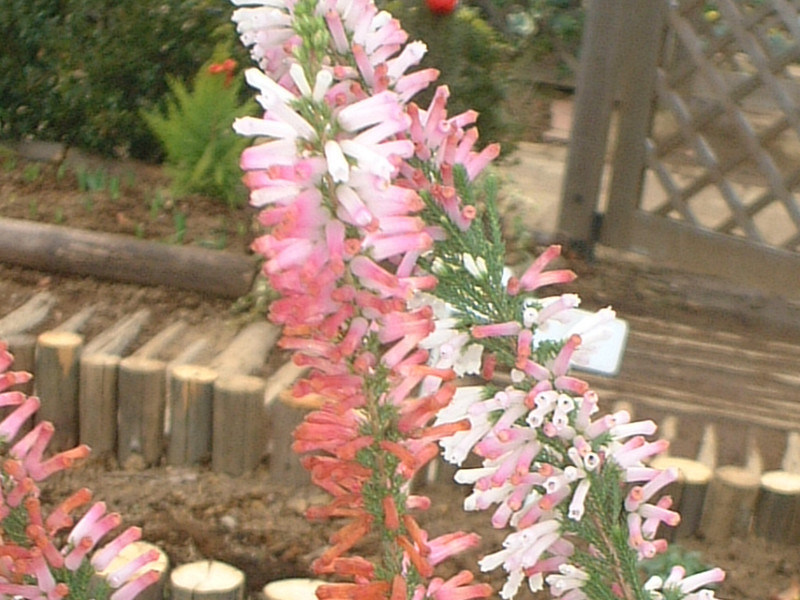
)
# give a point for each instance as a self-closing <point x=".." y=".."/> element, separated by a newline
<point x="61" y="249"/>
<point x="729" y="501"/>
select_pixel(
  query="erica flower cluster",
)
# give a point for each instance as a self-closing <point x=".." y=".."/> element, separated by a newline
<point x="342" y="170"/>
<point x="388" y="261"/>
<point x="562" y="476"/>
<point x="51" y="555"/>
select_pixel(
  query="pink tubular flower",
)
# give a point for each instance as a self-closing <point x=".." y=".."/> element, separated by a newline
<point x="11" y="425"/>
<point x="134" y="587"/>
<point x="40" y="470"/>
<point x="126" y="572"/>
<point x="458" y="587"/>
<point x="103" y="557"/>
<point x="496" y="330"/>
<point x="535" y="276"/>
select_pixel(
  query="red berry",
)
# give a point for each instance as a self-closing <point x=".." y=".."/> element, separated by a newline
<point x="441" y="7"/>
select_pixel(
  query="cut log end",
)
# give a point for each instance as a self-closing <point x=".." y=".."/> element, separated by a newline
<point x="193" y="373"/>
<point x="207" y="580"/>
<point x="292" y="589"/>
<point x="781" y="482"/>
<point x="60" y="339"/>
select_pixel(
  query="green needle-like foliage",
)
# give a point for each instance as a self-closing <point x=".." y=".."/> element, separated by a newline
<point x="202" y="150"/>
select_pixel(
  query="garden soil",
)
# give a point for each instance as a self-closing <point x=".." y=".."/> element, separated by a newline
<point x="255" y="522"/>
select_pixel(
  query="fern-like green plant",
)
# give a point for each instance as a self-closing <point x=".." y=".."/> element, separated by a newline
<point x="202" y="150"/>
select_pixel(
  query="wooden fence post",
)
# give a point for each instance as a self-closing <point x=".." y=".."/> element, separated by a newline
<point x="642" y="48"/>
<point x="239" y="420"/>
<point x="595" y="84"/>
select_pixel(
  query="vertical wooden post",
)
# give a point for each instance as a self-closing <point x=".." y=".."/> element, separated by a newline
<point x="99" y="379"/>
<point x="191" y="398"/>
<point x="56" y="384"/>
<point x="596" y="84"/>
<point x="97" y="405"/>
<point x="239" y="426"/>
<point x="731" y="500"/>
<point x="143" y="397"/>
<point x="643" y="41"/>
<point x="285" y="413"/>
<point x="141" y="410"/>
<point x="777" y="515"/>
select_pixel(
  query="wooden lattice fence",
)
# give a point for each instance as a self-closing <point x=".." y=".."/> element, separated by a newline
<point x="706" y="163"/>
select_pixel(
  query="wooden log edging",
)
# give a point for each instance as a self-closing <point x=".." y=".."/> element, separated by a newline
<point x="61" y="249"/>
<point x="57" y="363"/>
<point x="224" y="412"/>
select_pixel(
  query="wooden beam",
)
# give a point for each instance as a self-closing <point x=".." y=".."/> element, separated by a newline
<point x="122" y="258"/>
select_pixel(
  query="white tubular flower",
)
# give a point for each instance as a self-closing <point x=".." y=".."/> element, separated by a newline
<point x="692" y="586"/>
<point x="457" y="447"/>
<point x="298" y="75"/>
<point x="576" y="505"/>
<point x="369" y="160"/>
<point x="280" y="109"/>
<point x="410" y="56"/>
<point x="321" y="85"/>
<point x="260" y="18"/>
<point x="475" y="266"/>
<point x="521" y="550"/>
<point x="379" y="108"/>
<point x="266" y="85"/>
<point x="254" y="127"/>
<point x="568" y="578"/>
<point x="337" y="163"/>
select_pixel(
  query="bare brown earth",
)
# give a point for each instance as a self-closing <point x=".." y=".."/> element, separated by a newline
<point x="700" y="350"/>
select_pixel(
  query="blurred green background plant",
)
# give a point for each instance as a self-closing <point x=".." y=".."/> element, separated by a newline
<point x="80" y="71"/>
<point x="202" y="150"/>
